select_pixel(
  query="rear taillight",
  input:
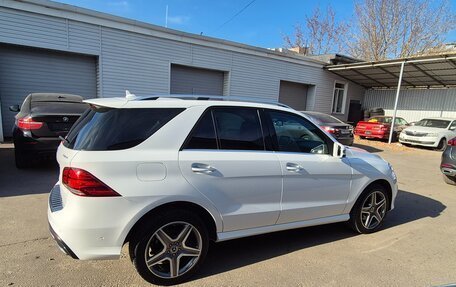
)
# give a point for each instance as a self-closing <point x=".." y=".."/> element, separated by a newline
<point x="27" y="124"/>
<point x="329" y="129"/>
<point x="452" y="142"/>
<point x="83" y="183"/>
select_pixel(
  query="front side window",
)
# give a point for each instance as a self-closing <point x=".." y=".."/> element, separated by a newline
<point x="296" y="134"/>
<point x="339" y="98"/>
<point x="238" y="128"/>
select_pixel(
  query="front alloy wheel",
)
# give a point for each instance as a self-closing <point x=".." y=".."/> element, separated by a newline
<point x="170" y="247"/>
<point x="373" y="210"/>
<point x="369" y="211"/>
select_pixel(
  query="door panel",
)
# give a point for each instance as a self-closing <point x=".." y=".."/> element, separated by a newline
<point x="245" y="186"/>
<point x="314" y="186"/>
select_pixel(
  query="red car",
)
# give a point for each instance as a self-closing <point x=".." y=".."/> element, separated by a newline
<point x="379" y="127"/>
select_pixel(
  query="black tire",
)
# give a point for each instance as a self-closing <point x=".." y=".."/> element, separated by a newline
<point x="168" y="222"/>
<point x="449" y="179"/>
<point x="442" y="144"/>
<point x="356" y="222"/>
<point x="21" y="159"/>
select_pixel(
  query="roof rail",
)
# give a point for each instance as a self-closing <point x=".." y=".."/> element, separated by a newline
<point x="211" y="97"/>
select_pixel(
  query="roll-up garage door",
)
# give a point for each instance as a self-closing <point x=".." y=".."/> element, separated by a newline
<point x="28" y="70"/>
<point x="293" y="95"/>
<point x="196" y="81"/>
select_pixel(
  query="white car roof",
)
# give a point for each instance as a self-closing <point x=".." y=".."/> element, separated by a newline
<point x="437" y="118"/>
<point x="184" y="101"/>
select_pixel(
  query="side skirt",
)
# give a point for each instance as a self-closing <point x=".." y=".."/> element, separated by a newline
<point x="222" y="236"/>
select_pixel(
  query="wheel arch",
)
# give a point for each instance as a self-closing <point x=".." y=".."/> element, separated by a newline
<point x="202" y="212"/>
<point x="382" y="182"/>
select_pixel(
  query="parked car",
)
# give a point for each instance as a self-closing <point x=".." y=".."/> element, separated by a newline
<point x="343" y="132"/>
<point x="42" y="119"/>
<point x="169" y="175"/>
<point x="430" y="132"/>
<point x="379" y="127"/>
<point x="448" y="164"/>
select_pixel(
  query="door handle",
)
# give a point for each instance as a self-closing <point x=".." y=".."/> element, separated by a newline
<point x="202" y="168"/>
<point x="293" y="167"/>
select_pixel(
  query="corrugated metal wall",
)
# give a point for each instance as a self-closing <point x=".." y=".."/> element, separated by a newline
<point x="191" y="81"/>
<point x="414" y="104"/>
<point x="27" y="70"/>
<point x="141" y="63"/>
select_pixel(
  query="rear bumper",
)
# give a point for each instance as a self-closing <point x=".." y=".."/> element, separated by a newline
<point x="62" y="245"/>
<point x="25" y="141"/>
<point x="90" y="228"/>
<point x="345" y="141"/>
<point x="372" y="134"/>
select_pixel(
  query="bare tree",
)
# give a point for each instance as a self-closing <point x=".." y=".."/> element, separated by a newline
<point x="320" y="35"/>
<point x="385" y="29"/>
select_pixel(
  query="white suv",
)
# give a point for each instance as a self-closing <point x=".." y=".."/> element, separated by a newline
<point x="168" y="175"/>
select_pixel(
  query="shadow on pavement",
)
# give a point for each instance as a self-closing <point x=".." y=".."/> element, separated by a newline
<point x="35" y="180"/>
<point x="368" y="148"/>
<point x="229" y="255"/>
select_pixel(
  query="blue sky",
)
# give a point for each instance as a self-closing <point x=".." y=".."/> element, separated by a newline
<point x="262" y="24"/>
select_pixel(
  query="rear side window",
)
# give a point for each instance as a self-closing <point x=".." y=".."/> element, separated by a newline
<point x="238" y="129"/>
<point x="203" y="135"/>
<point x="115" y="129"/>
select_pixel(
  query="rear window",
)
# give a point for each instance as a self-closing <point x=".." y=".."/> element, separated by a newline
<point x="323" y="118"/>
<point x="58" y="107"/>
<point x="115" y="129"/>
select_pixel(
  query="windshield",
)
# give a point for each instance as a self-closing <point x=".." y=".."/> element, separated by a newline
<point x="431" y="123"/>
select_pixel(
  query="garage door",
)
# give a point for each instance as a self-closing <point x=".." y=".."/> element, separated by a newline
<point x="189" y="80"/>
<point x="26" y="70"/>
<point x="293" y="95"/>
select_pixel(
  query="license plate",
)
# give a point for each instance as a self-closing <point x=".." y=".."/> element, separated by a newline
<point x="368" y="132"/>
<point x="345" y="132"/>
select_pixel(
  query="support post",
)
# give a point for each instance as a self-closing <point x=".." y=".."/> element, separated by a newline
<point x="395" y="103"/>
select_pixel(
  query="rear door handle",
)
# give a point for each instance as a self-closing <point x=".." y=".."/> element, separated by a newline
<point x="294" y="167"/>
<point x="202" y="168"/>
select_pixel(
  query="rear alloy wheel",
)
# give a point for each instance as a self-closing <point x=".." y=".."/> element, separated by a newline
<point x="370" y="210"/>
<point x="173" y="250"/>
<point x="449" y="179"/>
<point x="21" y="159"/>
<point x="442" y="144"/>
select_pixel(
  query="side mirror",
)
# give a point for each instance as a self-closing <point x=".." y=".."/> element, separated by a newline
<point x="339" y="150"/>
<point x="14" y="108"/>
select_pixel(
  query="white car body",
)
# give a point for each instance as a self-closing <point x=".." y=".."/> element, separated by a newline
<point x="428" y="136"/>
<point x="251" y="193"/>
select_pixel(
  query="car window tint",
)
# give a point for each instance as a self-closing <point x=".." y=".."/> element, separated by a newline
<point x="116" y="129"/>
<point x="296" y="134"/>
<point x="203" y="135"/>
<point x="238" y="129"/>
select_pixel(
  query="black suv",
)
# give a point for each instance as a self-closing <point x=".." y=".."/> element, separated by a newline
<point x="42" y="119"/>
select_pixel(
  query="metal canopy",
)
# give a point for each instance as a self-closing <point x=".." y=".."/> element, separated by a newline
<point x="434" y="71"/>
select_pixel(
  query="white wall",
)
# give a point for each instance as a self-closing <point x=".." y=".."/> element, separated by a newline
<point x="414" y="104"/>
